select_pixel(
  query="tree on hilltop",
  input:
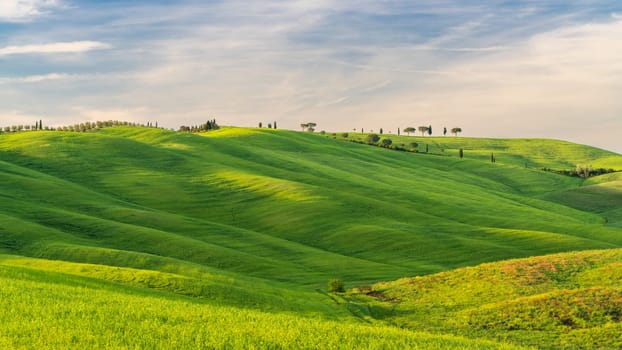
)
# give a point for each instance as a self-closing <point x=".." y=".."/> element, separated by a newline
<point x="423" y="130"/>
<point x="409" y="129"/>
<point x="455" y="131"/>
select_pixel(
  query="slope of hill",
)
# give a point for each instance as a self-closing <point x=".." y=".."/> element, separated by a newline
<point x="568" y="300"/>
<point x="534" y="153"/>
<point x="259" y="219"/>
<point x="601" y="194"/>
<point x="277" y="205"/>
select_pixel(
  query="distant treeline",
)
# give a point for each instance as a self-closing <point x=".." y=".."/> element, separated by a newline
<point x="209" y="125"/>
<point x="581" y="171"/>
<point x="91" y="126"/>
<point x="375" y="140"/>
<point x="81" y="127"/>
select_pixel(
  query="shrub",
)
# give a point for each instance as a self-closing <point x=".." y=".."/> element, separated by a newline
<point x="344" y="135"/>
<point x="336" y="286"/>
<point x="386" y="142"/>
<point x="372" y="138"/>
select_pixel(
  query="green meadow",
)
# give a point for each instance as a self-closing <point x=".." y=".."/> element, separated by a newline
<point x="134" y="237"/>
<point x="569" y="300"/>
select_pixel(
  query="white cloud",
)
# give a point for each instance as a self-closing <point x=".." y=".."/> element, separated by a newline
<point x="24" y="10"/>
<point x="126" y="114"/>
<point x="35" y="78"/>
<point x="59" y="47"/>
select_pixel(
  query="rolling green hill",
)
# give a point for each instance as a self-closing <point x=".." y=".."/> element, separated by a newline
<point x="258" y="220"/>
<point x="534" y="153"/>
<point x="569" y="300"/>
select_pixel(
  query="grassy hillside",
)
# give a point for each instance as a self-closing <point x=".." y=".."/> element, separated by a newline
<point x="601" y="194"/>
<point x="535" y="153"/>
<point x="59" y="311"/>
<point x="277" y="205"/>
<point x="569" y="300"/>
<point x="258" y="220"/>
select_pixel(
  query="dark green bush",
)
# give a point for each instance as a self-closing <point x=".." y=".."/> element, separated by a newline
<point x="336" y="286"/>
<point x="372" y="138"/>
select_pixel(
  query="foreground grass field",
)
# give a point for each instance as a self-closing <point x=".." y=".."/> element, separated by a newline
<point x="52" y="310"/>
<point x="257" y="221"/>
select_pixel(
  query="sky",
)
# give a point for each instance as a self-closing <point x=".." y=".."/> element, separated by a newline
<point x="494" y="68"/>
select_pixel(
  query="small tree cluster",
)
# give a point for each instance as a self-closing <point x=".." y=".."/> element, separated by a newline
<point x="582" y="171"/>
<point x="424" y="130"/>
<point x="270" y="125"/>
<point x="207" y="126"/>
<point x="372" y="138"/>
<point x="310" y="127"/>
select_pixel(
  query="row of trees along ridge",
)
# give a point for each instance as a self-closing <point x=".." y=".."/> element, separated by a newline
<point x="80" y="127"/>
<point x="428" y="130"/>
